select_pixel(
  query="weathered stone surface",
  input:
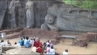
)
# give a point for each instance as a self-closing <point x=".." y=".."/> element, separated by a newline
<point x="40" y="11"/>
<point x="70" y="18"/>
<point x="3" y="7"/>
<point x="67" y="17"/>
<point x="91" y="36"/>
<point x="29" y="14"/>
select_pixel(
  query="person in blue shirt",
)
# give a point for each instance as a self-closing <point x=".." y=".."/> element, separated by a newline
<point x="21" y="42"/>
<point x="26" y="43"/>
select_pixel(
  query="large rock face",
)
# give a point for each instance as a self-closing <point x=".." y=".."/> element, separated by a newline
<point x="3" y="7"/>
<point x="64" y="17"/>
<point x="40" y="11"/>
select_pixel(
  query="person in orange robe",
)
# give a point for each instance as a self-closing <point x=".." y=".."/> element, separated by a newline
<point x="38" y="45"/>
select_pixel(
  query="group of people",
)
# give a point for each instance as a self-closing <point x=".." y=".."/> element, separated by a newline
<point x="36" y="45"/>
<point x="26" y="42"/>
<point x="2" y="43"/>
<point x="49" y="48"/>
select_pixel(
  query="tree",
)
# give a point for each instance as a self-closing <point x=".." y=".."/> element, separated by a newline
<point x="85" y="4"/>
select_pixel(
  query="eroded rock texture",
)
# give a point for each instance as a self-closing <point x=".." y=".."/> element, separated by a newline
<point x="13" y="13"/>
<point x="66" y="17"/>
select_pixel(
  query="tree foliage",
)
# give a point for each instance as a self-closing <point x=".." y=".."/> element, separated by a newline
<point x="85" y="4"/>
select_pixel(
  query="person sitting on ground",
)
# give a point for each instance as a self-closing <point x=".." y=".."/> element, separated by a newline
<point x="85" y="45"/>
<point x="47" y="43"/>
<point x="21" y="42"/>
<point x="52" y="51"/>
<point x="65" y="52"/>
<point x="26" y="42"/>
<point x="31" y="42"/>
<point x="34" y="38"/>
<point x="2" y="43"/>
<point x="50" y="43"/>
<point x="17" y="44"/>
<point x="38" y="45"/>
<point x="44" y="46"/>
<point x="24" y="38"/>
<point x="48" y="49"/>
<point x="8" y="43"/>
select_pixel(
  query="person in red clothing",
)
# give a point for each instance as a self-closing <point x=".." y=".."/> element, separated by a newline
<point x="38" y="45"/>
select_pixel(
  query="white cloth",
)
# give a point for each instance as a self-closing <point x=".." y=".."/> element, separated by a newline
<point x="65" y="53"/>
<point x="33" y="49"/>
<point x="52" y="52"/>
<point x="48" y="50"/>
<point x="2" y="44"/>
<point x="8" y="44"/>
<point x="47" y="43"/>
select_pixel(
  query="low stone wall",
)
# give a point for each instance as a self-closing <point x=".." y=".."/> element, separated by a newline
<point x="14" y="35"/>
<point x="85" y="38"/>
<point x="92" y="36"/>
<point x="9" y="31"/>
<point x="39" y="33"/>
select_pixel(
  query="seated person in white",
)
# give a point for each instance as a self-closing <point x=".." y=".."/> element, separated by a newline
<point x="52" y="51"/>
<point x="17" y="44"/>
<point x="47" y="43"/>
<point x="65" y="52"/>
<point x="2" y="43"/>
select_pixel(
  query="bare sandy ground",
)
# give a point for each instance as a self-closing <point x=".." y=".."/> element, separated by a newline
<point x="92" y="47"/>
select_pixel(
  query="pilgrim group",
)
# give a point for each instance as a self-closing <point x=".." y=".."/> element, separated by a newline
<point x="36" y="45"/>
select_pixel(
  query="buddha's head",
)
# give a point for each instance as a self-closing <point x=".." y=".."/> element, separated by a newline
<point x="50" y="19"/>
